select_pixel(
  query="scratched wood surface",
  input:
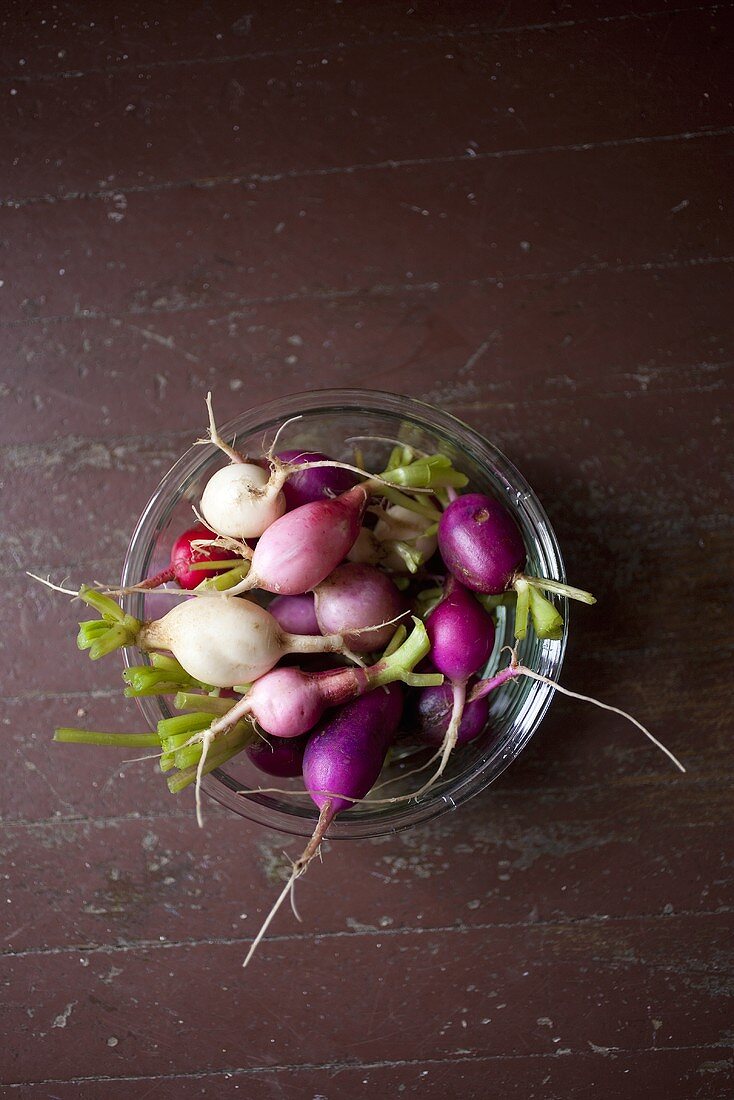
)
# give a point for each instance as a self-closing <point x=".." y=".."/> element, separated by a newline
<point x="523" y="214"/>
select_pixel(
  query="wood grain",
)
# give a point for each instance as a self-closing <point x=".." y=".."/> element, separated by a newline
<point x="521" y="214"/>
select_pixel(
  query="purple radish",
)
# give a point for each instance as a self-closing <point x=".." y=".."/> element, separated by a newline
<point x="357" y="596"/>
<point x="296" y="614"/>
<point x="431" y="713"/>
<point x="287" y="702"/>
<point x="309" y="483"/>
<point x="483" y="548"/>
<point x="301" y="549"/>
<point x="345" y="754"/>
<point x="462" y="638"/>
<point x="343" y="758"/>
<point x="277" y="757"/>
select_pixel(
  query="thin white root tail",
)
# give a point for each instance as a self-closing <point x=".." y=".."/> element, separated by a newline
<point x="604" y="706"/>
<point x="299" y="868"/>
<point x="206" y="739"/>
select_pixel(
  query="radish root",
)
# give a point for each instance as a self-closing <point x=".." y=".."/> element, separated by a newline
<point x="299" y="868"/>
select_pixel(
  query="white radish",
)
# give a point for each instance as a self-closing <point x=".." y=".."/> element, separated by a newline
<point x="223" y="641"/>
<point x="239" y="501"/>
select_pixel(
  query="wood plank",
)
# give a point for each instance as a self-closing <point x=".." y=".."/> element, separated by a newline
<point x="56" y="39"/>
<point x="163" y="1007"/>
<point x="590" y="83"/>
<point x="199" y="248"/>
<point x="528" y="345"/>
<point x="685" y="1074"/>
<point x="512" y="857"/>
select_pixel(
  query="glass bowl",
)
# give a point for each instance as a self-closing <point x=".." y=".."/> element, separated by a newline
<point x="327" y="420"/>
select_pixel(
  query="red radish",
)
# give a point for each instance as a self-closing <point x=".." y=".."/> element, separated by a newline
<point x="184" y="555"/>
<point x="358" y="596"/>
<point x="343" y="758"/>
<point x="309" y="482"/>
<point x="300" y="550"/>
<point x="278" y="757"/>
<point x="482" y="546"/>
<point x="296" y="614"/>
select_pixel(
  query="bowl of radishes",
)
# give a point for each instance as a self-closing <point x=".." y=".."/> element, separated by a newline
<point x="392" y="558"/>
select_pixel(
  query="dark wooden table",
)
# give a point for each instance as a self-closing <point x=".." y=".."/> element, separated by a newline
<point x="523" y="214"/>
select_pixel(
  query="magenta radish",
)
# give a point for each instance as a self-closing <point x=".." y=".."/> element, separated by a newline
<point x="343" y="758"/>
<point x="482" y="546"/>
<point x="462" y="637"/>
<point x="301" y="549"/>
<point x="296" y="614"/>
<point x="309" y="483"/>
<point x="287" y="702"/>
<point x="356" y="597"/>
<point x="278" y="757"/>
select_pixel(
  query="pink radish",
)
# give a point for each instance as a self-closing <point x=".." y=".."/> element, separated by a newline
<point x="356" y="597"/>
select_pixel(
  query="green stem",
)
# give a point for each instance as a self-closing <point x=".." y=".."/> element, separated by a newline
<point x="225" y="580"/>
<point x="209" y="703"/>
<point x="429" y="472"/>
<point x="523" y="607"/>
<point x="69" y="736"/>
<point x="212" y="565"/>
<point x="422" y="507"/>
<point x="400" y="664"/>
<point x="561" y="589"/>
<point x="184" y="778"/>
<point x="547" y="620"/>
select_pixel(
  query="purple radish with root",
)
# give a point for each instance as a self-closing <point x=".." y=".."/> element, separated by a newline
<point x="462" y="638"/>
<point x="483" y="548"/>
<point x="356" y="597"/>
<point x="343" y="759"/>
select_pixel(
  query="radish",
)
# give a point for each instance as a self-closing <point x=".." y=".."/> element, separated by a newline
<point x="278" y="757"/>
<point x="185" y="553"/>
<point x="296" y="614"/>
<point x="432" y="714"/>
<point x="357" y="596"/>
<point x="218" y="640"/>
<point x="287" y="702"/>
<point x="309" y="483"/>
<point x="462" y="638"/>
<point x="300" y="550"/>
<point x="482" y="546"/>
<point x="343" y="758"/>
